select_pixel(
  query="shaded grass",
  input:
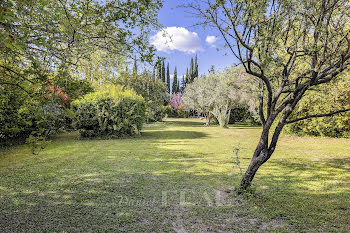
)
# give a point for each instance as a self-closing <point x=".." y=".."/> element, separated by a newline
<point x="173" y="179"/>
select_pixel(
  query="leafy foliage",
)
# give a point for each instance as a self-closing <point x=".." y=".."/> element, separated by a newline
<point x="20" y="116"/>
<point x="153" y="91"/>
<point x="177" y="107"/>
<point x="241" y="113"/>
<point x="323" y="100"/>
<point x="109" y="112"/>
<point x="175" y="101"/>
<point x="218" y="93"/>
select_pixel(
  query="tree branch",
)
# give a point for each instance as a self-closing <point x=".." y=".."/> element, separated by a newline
<point x="318" y="115"/>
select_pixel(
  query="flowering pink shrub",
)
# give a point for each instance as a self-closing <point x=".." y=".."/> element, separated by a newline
<point x="175" y="101"/>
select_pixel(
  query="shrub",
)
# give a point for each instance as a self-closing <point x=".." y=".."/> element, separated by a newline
<point x="241" y="113"/>
<point x="154" y="111"/>
<point x="109" y="113"/>
<point x="152" y="90"/>
<point x="168" y="111"/>
<point x="20" y="116"/>
<point x="325" y="99"/>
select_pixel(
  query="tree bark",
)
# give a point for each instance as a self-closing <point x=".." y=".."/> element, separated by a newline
<point x="253" y="167"/>
<point x="207" y="117"/>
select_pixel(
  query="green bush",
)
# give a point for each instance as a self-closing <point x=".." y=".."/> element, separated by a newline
<point x="242" y="114"/>
<point x="21" y="115"/>
<point x="153" y="91"/>
<point x="328" y="98"/>
<point x="109" y="113"/>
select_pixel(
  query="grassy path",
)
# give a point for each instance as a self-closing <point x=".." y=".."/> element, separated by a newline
<point x="173" y="179"/>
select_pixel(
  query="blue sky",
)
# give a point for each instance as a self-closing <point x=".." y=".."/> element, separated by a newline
<point x="187" y="41"/>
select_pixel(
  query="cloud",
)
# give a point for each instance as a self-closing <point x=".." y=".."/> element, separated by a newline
<point x="176" y="38"/>
<point x="211" y="40"/>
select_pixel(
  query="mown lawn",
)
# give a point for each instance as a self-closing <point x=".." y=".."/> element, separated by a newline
<point x="174" y="179"/>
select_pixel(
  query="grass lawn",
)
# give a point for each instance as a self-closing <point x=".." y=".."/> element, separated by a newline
<point x="174" y="179"/>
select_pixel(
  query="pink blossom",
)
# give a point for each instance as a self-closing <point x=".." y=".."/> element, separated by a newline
<point x="175" y="101"/>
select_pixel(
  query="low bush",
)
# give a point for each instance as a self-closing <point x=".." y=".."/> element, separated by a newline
<point x="325" y="99"/>
<point x="21" y="116"/>
<point x="242" y="114"/>
<point x="109" y="113"/>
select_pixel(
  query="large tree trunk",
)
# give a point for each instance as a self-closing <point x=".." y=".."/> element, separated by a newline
<point x="207" y="117"/>
<point x="264" y="150"/>
<point x="253" y="167"/>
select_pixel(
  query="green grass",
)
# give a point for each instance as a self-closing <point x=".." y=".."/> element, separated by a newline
<point x="169" y="180"/>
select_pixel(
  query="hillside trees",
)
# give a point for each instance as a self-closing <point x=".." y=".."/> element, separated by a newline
<point x="290" y="48"/>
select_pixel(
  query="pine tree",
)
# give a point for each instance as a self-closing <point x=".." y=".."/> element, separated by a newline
<point x="178" y="86"/>
<point x="159" y="70"/>
<point x="163" y="72"/>
<point x="174" y="87"/>
<point x="168" y="77"/>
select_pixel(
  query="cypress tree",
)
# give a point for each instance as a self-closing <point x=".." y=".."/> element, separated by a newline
<point x="183" y="83"/>
<point x="196" y="68"/>
<point x="191" y="71"/>
<point x="159" y="70"/>
<point x="178" y="86"/>
<point x="187" y="78"/>
<point x="163" y="72"/>
<point x="174" y="87"/>
<point x="134" y="70"/>
<point x="168" y="77"/>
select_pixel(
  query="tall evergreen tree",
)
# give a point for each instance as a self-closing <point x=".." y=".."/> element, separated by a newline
<point x="163" y="72"/>
<point x="187" y="77"/>
<point x="183" y="83"/>
<point x="191" y="71"/>
<point x="168" y="77"/>
<point x="159" y="70"/>
<point x="134" y="70"/>
<point x="195" y="68"/>
<point x="174" y="87"/>
<point x="178" y="86"/>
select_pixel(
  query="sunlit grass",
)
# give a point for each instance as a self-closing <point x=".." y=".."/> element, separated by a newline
<point x="120" y="185"/>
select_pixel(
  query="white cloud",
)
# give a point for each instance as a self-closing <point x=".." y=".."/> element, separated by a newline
<point x="176" y="38"/>
<point x="211" y="40"/>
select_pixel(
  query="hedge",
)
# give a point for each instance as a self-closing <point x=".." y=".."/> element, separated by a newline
<point x="109" y="113"/>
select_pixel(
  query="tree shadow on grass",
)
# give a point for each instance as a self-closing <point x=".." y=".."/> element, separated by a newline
<point x="125" y="192"/>
<point x="185" y="123"/>
<point x="173" y="134"/>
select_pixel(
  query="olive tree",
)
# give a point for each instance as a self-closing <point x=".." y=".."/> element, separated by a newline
<point x="197" y="96"/>
<point x="218" y="93"/>
<point x="290" y="47"/>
